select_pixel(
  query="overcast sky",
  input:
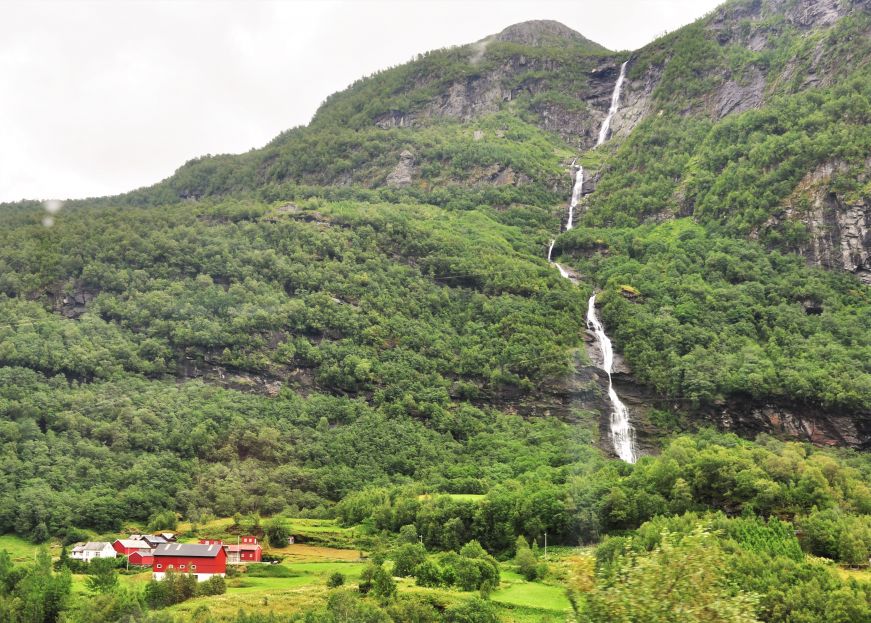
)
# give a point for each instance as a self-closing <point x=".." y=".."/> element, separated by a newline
<point x="99" y="98"/>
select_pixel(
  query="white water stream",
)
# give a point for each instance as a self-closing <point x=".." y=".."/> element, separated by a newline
<point x="622" y="435"/>
<point x="615" y="105"/>
<point x="576" y="196"/>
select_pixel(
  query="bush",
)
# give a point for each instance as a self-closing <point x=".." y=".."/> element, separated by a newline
<point x="473" y="611"/>
<point x="277" y="532"/>
<point x="164" y="520"/>
<point x="407" y="557"/>
<point x="215" y="585"/>
<point x="428" y="574"/>
<point x="336" y="579"/>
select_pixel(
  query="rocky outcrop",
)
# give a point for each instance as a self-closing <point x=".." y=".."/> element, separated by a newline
<point x="520" y="76"/>
<point x="635" y="98"/>
<point x="792" y="421"/>
<point x="802" y="14"/>
<point x="736" y="96"/>
<point x="838" y="228"/>
<point x="540" y="33"/>
<point x="402" y="173"/>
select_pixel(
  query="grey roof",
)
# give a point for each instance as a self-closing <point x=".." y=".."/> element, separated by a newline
<point x="91" y="546"/>
<point x="200" y="550"/>
<point x="153" y="538"/>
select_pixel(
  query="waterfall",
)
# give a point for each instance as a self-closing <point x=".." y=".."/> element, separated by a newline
<point x="550" y="249"/>
<point x="576" y="196"/>
<point x="622" y="435"/>
<point x="615" y="104"/>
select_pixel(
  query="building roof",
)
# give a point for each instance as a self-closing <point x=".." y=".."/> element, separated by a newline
<point x="153" y="538"/>
<point x="197" y="550"/>
<point x="91" y="546"/>
<point x="134" y="543"/>
<point x="243" y="546"/>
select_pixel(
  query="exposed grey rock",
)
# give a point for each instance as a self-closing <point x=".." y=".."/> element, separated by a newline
<point x="402" y="173"/>
<point x="839" y="230"/>
<point x="635" y="100"/>
<point x="737" y="96"/>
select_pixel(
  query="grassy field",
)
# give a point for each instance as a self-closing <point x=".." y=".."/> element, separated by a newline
<point x="532" y="595"/>
<point x="303" y="588"/>
<point x="300" y="552"/>
<point x="299" y="582"/>
<point x="23" y="551"/>
<point x="324" y="532"/>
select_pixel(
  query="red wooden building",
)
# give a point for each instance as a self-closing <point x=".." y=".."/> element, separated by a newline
<point x="246" y="550"/>
<point x="141" y="558"/>
<point x="125" y="547"/>
<point x="199" y="559"/>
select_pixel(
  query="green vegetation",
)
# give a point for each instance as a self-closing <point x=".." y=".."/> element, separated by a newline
<point x="285" y="335"/>
<point x="725" y="317"/>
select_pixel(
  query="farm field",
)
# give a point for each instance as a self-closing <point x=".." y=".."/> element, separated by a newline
<point x="300" y="582"/>
<point x="22" y="551"/>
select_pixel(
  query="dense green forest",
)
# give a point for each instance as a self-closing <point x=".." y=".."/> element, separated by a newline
<point x="290" y="333"/>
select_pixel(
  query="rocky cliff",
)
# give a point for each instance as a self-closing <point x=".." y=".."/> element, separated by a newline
<point x="836" y="226"/>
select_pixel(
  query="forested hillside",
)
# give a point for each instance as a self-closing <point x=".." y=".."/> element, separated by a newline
<point x="359" y="321"/>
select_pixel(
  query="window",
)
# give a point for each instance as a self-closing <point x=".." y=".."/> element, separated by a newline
<point x="169" y="566"/>
<point x="160" y="566"/>
<point x="193" y="567"/>
<point x="181" y="566"/>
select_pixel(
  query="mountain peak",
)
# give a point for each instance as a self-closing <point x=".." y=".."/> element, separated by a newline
<point x="543" y="33"/>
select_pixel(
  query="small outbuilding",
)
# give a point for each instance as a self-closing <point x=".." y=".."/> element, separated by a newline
<point x="125" y="547"/>
<point x="141" y="558"/>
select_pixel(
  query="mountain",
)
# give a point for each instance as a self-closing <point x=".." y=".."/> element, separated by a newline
<point x="364" y="310"/>
<point x="742" y="122"/>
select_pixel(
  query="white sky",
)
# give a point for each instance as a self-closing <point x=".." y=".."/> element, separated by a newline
<point x="98" y="98"/>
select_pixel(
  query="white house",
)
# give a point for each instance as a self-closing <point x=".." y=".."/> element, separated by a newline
<point x="93" y="549"/>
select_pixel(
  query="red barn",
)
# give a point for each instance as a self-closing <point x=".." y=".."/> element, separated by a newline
<point x="198" y="559"/>
<point x="141" y="558"/>
<point x="125" y="547"/>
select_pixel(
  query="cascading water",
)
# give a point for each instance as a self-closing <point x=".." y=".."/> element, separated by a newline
<point x="562" y="271"/>
<point x="615" y="105"/>
<point x="622" y="434"/>
<point x="576" y="196"/>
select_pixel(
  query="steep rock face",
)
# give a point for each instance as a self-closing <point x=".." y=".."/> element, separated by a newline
<point x="804" y="14"/>
<point x="635" y="100"/>
<point x="520" y="77"/>
<point x="736" y="96"/>
<point x="792" y="421"/>
<point x="838" y="228"/>
<point x="402" y="173"/>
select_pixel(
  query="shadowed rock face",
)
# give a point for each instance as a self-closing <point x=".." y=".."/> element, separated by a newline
<point x="838" y="227"/>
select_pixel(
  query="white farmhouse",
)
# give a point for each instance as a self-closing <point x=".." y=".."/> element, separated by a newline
<point x="93" y="549"/>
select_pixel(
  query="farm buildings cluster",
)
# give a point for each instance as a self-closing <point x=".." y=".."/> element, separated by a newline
<point x="163" y="553"/>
